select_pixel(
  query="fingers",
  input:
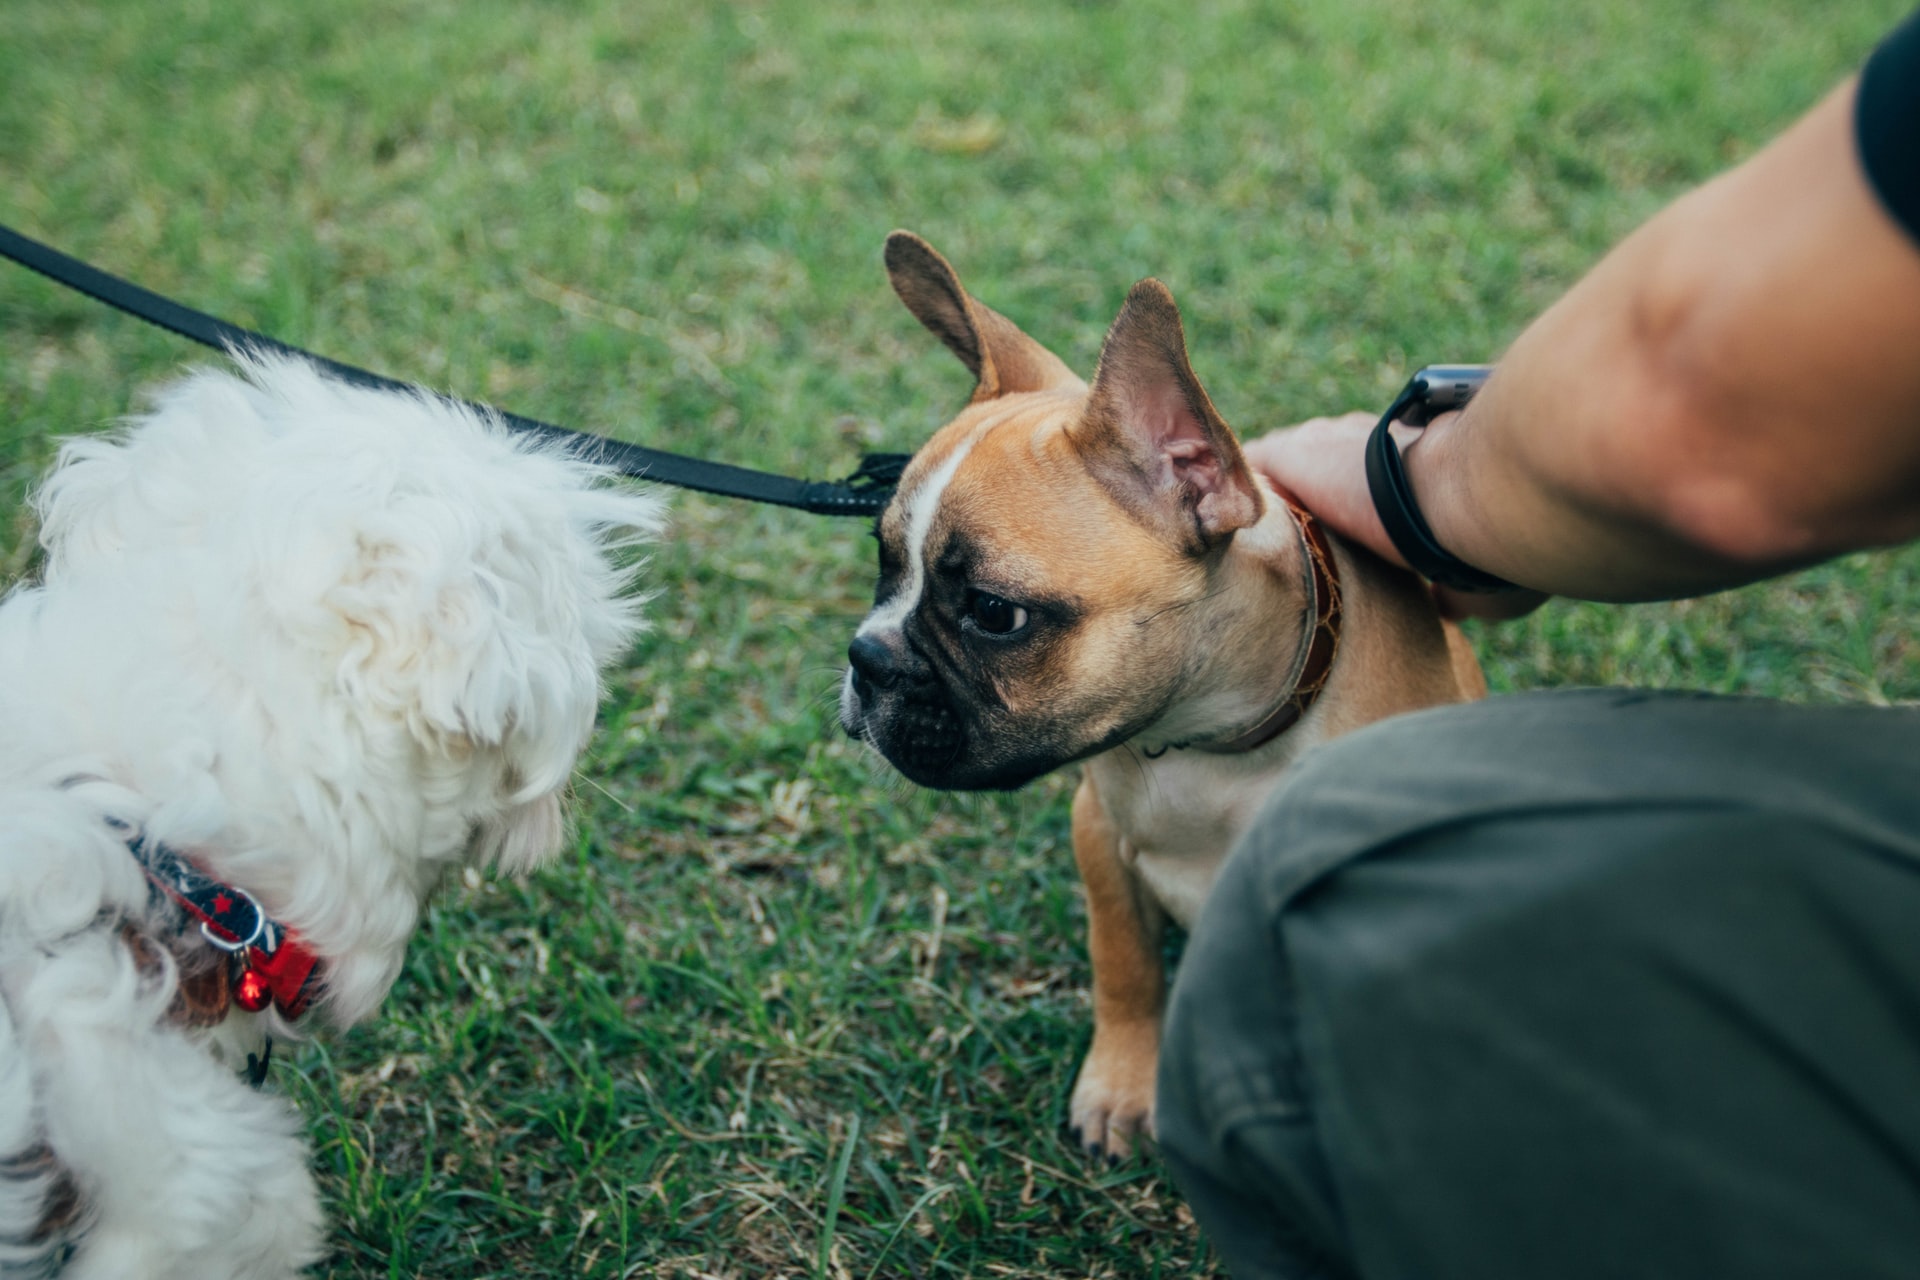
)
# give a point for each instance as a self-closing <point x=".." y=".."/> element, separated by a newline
<point x="1279" y="455"/>
<point x="1322" y="464"/>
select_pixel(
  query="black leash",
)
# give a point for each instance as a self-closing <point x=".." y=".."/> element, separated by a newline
<point x="863" y="493"/>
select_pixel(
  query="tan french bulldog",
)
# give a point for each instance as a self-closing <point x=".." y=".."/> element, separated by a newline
<point x="1092" y="573"/>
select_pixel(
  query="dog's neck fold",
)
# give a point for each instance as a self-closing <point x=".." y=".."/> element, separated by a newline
<point x="1263" y="670"/>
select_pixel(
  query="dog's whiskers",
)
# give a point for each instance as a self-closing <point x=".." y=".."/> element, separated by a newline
<point x="603" y="791"/>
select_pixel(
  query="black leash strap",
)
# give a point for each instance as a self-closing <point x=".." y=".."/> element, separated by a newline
<point x="863" y="493"/>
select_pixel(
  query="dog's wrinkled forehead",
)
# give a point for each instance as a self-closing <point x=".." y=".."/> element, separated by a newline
<point x="995" y="498"/>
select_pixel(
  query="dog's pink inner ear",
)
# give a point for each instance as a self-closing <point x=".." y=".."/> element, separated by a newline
<point x="1003" y="359"/>
<point x="1152" y="434"/>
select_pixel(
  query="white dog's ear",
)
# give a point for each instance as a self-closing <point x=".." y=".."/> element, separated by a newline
<point x="480" y="615"/>
<point x="463" y="648"/>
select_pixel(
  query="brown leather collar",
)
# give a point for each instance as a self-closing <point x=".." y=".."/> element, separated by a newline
<point x="1322" y="642"/>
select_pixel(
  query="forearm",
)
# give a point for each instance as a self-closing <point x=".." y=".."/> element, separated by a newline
<point x="1732" y="392"/>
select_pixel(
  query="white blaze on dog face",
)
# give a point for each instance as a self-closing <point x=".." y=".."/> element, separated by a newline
<point x="922" y="502"/>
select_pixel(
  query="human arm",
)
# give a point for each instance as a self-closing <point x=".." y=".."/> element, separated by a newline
<point x="1732" y="392"/>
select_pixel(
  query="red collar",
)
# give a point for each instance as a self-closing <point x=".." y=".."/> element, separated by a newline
<point x="1321" y="646"/>
<point x="271" y="963"/>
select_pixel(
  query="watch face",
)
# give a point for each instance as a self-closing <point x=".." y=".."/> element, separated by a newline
<point x="1450" y="386"/>
<point x="1440" y="388"/>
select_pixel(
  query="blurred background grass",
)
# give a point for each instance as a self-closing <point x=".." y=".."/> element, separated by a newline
<point x="779" y="1014"/>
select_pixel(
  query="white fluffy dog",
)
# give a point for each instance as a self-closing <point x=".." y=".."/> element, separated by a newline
<point x="297" y="644"/>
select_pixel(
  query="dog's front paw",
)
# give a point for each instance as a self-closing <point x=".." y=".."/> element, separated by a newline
<point x="1113" y="1098"/>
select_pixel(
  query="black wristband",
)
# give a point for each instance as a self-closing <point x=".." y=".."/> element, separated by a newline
<point x="1392" y="492"/>
<point x="1886" y="124"/>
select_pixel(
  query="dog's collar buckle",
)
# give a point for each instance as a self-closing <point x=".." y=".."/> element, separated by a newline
<point x="275" y="967"/>
<point x="228" y="938"/>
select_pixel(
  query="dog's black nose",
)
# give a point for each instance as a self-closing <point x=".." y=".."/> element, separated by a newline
<point x="874" y="663"/>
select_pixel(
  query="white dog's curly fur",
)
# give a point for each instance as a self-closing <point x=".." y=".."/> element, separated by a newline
<point x="327" y="642"/>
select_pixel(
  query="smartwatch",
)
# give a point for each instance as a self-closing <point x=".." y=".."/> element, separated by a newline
<point x="1434" y="390"/>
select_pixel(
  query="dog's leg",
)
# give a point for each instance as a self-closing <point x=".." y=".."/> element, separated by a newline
<point x="32" y="1193"/>
<point x="181" y="1169"/>
<point x="1465" y="663"/>
<point x="1113" y="1098"/>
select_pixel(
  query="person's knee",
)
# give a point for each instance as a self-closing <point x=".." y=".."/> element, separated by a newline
<point x="1233" y="1119"/>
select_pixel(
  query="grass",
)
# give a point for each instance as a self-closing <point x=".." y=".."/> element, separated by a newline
<point x="778" y="1014"/>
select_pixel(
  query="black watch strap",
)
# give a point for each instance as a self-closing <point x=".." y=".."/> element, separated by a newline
<point x="1393" y="493"/>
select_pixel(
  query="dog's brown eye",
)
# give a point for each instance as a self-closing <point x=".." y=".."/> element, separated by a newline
<point x="995" y="616"/>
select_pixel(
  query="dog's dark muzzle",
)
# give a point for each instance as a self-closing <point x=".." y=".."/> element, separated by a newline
<point x="897" y="704"/>
<point x="901" y="708"/>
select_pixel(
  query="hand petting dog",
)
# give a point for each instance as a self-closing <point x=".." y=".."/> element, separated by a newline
<point x="300" y="651"/>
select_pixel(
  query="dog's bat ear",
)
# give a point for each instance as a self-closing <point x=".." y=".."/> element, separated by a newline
<point x="1153" y="437"/>
<point x="995" y="351"/>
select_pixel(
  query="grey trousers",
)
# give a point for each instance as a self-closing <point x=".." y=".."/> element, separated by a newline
<point x="1557" y="986"/>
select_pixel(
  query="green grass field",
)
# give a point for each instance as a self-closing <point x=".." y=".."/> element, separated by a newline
<point x="779" y="1014"/>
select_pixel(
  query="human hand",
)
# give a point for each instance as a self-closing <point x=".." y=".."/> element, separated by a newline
<point x="1322" y="463"/>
